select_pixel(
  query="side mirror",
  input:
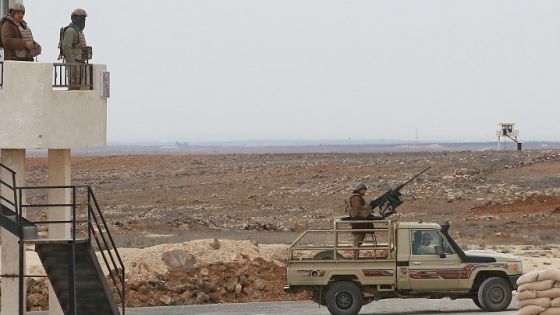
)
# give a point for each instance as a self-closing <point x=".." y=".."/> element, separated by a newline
<point x="440" y="252"/>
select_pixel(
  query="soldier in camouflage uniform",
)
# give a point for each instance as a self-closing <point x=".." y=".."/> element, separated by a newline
<point x="16" y="37"/>
<point x="359" y="210"/>
<point x="75" y="50"/>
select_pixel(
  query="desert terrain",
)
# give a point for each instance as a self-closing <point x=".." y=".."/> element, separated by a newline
<point x="208" y="228"/>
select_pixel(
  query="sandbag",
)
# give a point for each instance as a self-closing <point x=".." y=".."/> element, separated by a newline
<point x="529" y="294"/>
<point x="551" y="311"/>
<point x="555" y="302"/>
<point x="531" y="310"/>
<point x="538" y="286"/>
<point x="550" y="293"/>
<point x="550" y="274"/>
<point x="528" y="278"/>
<point x="543" y="302"/>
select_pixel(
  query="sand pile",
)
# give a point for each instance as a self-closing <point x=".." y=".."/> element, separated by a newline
<point x="539" y="293"/>
<point x="140" y="263"/>
<point x="206" y="271"/>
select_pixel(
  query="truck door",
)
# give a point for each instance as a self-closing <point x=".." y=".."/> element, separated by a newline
<point x="433" y="264"/>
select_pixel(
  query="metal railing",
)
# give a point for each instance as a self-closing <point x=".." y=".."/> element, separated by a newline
<point x="95" y="231"/>
<point x="106" y="247"/>
<point x="379" y="247"/>
<point x="88" y="224"/>
<point x="12" y="187"/>
<point x="74" y="76"/>
<point x="13" y="204"/>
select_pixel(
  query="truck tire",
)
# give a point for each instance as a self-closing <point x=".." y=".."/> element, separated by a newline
<point x="344" y="298"/>
<point x="319" y="296"/>
<point x="475" y="300"/>
<point x="494" y="294"/>
<point x="327" y="255"/>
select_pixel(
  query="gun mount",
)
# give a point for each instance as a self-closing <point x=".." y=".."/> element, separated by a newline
<point x="389" y="201"/>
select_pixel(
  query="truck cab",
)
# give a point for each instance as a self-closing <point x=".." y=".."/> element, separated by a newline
<point x="397" y="259"/>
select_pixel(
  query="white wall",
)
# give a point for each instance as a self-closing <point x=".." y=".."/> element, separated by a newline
<point x="34" y="116"/>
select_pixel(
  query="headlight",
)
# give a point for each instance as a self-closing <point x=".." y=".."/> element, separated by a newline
<point x="516" y="267"/>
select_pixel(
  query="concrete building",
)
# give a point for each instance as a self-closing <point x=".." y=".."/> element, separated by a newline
<point x="36" y="115"/>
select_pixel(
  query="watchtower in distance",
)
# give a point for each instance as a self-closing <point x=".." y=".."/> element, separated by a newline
<point x="507" y="130"/>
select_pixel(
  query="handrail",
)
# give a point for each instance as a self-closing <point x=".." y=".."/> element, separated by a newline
<point x="383" y="227"/>
<point x="97" y="229"/>
<point x="93" y="211"/>
<point x="18" y="211"/>
<point x="13" y="188"/>
<point x="4" y="166"/>
<point x="74" y="76"/>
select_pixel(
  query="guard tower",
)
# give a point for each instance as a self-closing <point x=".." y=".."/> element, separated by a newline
<point x="507" y="130"/>
<point x="39" y="112"/>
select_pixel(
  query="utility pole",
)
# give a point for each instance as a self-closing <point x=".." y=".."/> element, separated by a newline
<point x="4" y="8"/>
<point x="3" y="12"/>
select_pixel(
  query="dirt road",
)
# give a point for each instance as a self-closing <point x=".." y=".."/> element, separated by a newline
<point x="385" y="307"/>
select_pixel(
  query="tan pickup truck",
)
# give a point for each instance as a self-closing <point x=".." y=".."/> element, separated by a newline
<point x="396" y="260"/>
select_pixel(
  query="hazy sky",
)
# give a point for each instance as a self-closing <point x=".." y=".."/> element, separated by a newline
<point x="295" y="69"/>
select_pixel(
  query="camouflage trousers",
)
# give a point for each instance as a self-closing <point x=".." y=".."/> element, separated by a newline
<point x="78" y="76"/>
<point x="360" y="236"/>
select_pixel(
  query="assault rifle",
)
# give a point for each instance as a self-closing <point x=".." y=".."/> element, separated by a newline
<point x="389" y="201"/>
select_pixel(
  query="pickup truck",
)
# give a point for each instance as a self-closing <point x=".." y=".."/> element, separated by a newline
<point x="396" y="260"/>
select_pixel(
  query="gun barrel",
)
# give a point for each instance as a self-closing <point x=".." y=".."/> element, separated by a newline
<point x="390" y="200"/>
<point x="413" y="178"/>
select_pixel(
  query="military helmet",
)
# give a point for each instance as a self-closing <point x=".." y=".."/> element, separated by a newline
<point x="17" y="7"/>
<point x="359" y="187"/>
<point x="79" y="12"/>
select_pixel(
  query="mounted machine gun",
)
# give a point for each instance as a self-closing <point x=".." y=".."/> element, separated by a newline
<point x="389" y="201"/>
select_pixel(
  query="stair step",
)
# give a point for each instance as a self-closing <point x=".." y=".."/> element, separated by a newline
<point x="84" y="300"/>
<point x="62" y="278"/>
<point x="93" y="295"/>
<point x="9" y="221"/>
<point x="84" y="296"/>
<point x="81" y="283"/>
<point x="64" y="261"/>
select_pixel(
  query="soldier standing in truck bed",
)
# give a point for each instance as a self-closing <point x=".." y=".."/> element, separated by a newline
<point x="359" y="210"/>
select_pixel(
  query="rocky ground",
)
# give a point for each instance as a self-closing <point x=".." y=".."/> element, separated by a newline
<point x="160" y="203"/>
<point x="226" y="271"/>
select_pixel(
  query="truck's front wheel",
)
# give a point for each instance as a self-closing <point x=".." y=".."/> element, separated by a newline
<point x="344" y="298"/>
<point x="494" y="294"/>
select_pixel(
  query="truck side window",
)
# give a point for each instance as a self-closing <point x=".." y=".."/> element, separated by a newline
<point x="424" y="242"/>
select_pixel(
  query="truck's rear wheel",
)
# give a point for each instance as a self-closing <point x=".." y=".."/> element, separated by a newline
<point x="494" y="294"/>
<point x="344" y="298"/>
<point x="327" y="255"/>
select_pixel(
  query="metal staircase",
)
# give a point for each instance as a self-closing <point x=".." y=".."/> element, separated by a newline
<point x="71" y="264"/>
